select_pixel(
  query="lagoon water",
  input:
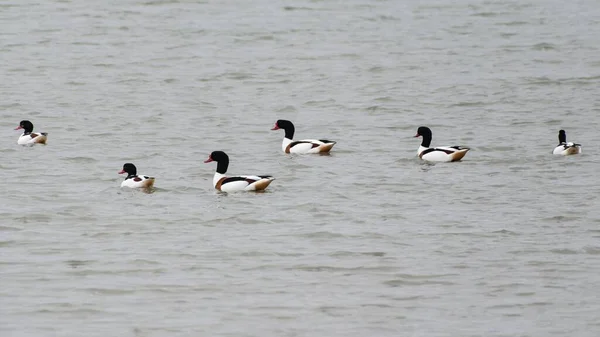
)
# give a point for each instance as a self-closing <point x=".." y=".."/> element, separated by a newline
<point x="368" y="241"/>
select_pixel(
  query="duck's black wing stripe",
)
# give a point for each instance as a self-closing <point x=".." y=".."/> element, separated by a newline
<point x="292" y="144"/>
<point x="434" y="149"/>
<point x="232" y="179"/>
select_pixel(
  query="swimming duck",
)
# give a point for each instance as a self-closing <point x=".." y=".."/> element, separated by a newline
<point x="565" y="148"/>
<point x="28" y="137"/>
<point x="238" y="183"/>
<point x="438" y="154"/>
<point x="301" y="146"/>
<point x="134" y="180"/>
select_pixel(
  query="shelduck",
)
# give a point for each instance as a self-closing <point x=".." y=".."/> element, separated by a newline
<point x="438" y="154"/>
<point x="28" y="137"/>
<point x="565" y="148"/>
<point x="133" y="180"/>
<point x="237" y="183"/>
<point x="301" y="146"/>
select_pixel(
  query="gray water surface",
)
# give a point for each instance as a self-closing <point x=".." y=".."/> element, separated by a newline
<point x="368" y="241"/>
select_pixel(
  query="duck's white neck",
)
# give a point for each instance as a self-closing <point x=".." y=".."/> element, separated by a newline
<point x="218" y="176"/>
<point x="421" y="149"/>
<point x="286" y="142"/>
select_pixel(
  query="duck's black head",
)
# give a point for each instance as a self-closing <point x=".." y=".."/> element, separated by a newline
<point x="424" y="132"/>
<point x="130" y="169"/>
<point x="222" y="160"/>
<point x="562" y="136"/>
<point x="287" y="126"/>
<point x="26" y="125"/>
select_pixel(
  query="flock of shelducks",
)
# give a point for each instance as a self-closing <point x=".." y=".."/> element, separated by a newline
<point x="225" y="183"/>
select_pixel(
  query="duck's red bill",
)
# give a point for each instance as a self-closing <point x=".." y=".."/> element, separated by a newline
<point x="417" y="135"/>
<point x="208" y="160"/>
<point x="122" y="171"/>
<point x="18" y="127"/>
<point x="276" y="127"/>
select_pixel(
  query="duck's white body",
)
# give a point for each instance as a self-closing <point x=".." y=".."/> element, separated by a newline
<point x="240" y="183"/>
<point x="32" y="138"/>
<point x="567" y="149"/>
<point x="306" y="146"/>
<point x="442" y="154"/>
<point x="138" y="181"/>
